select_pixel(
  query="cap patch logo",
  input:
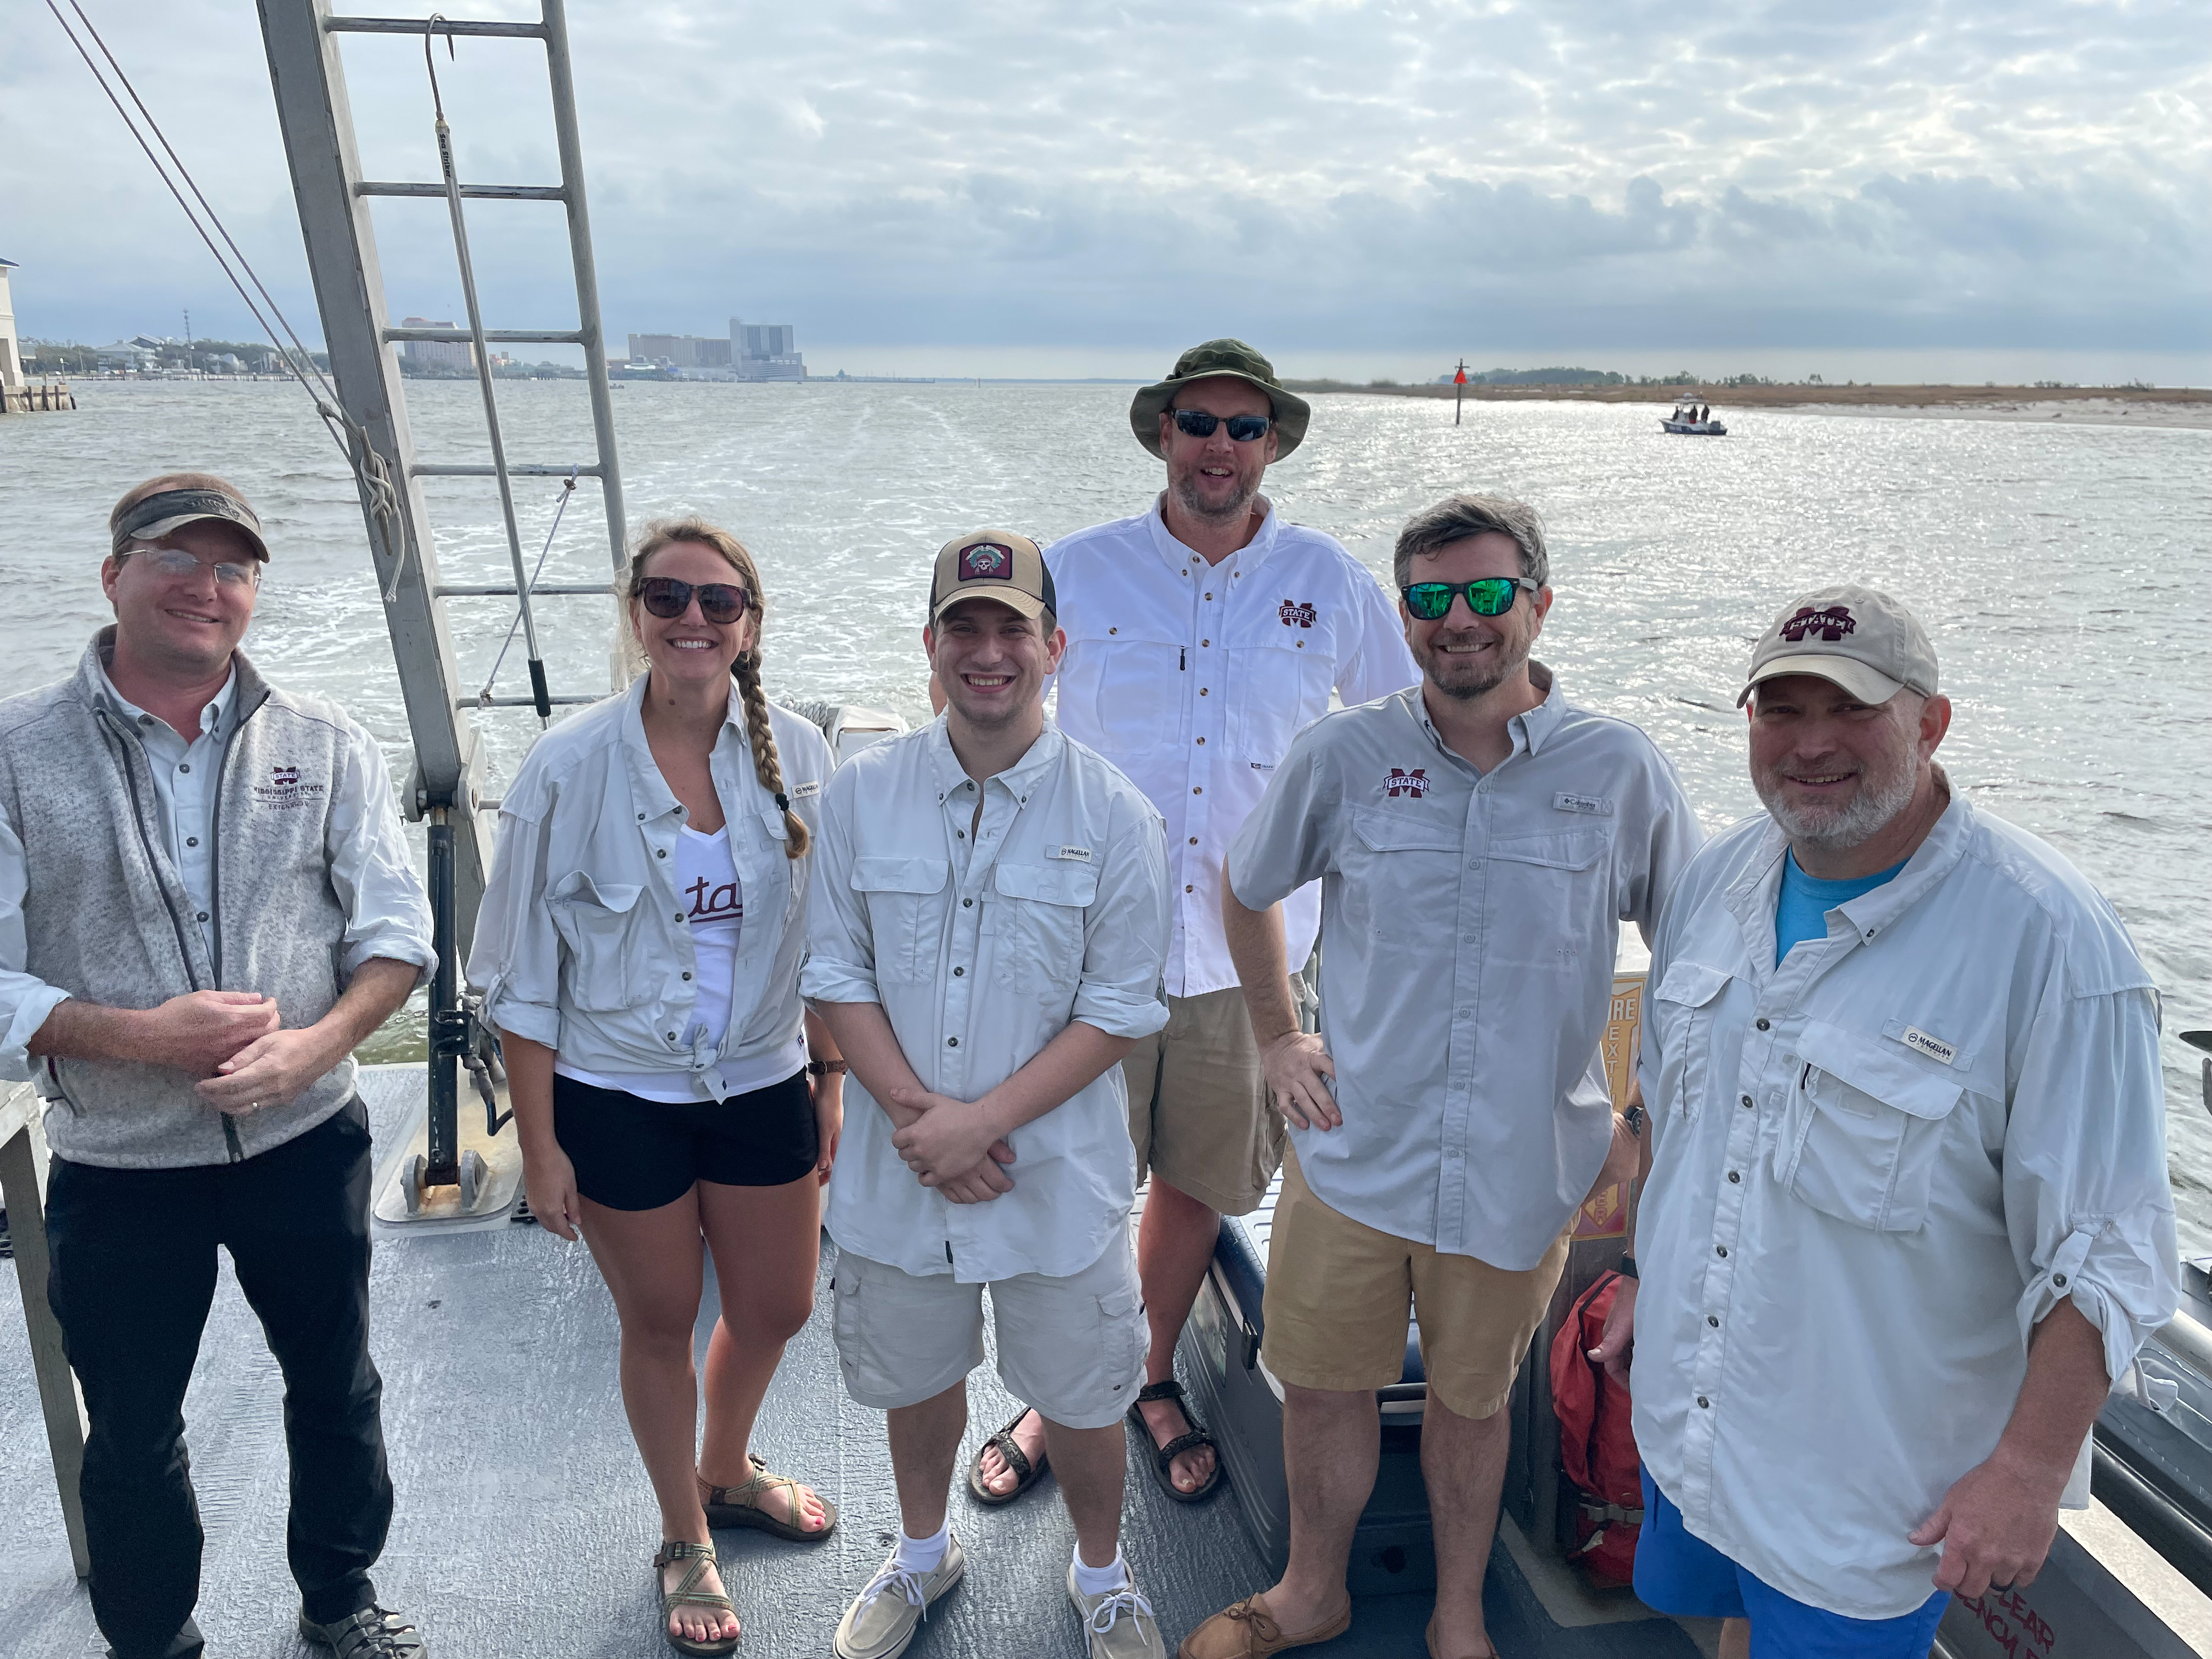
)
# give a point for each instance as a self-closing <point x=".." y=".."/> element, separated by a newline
<point x="1297" y="613"/>
<point x="986" y="561"/>
<point x="1830" y="624"/>
<point x="1414" y="783"/>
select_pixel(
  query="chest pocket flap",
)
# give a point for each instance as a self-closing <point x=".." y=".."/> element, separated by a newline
<point x="1692" y="984"/>
<point x="900" y="875"/>
<point x="1049" y="884"/>
<point x="1403" y="832"/>
<point x="1570" y="849"/>
<point x="593" y="920"/>
<point x="1866" y="1064"/>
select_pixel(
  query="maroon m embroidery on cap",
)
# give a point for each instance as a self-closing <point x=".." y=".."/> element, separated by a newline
<point x="986" y="561"/>
<point x="1297" y="613"/>
<point x="1830" y="624"/>
<point x="1402" y="783"/>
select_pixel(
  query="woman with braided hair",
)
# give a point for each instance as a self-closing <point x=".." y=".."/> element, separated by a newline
<point x="639" y="945"/>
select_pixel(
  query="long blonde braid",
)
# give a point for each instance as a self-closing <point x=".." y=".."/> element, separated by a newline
<point x="768" y="765"/>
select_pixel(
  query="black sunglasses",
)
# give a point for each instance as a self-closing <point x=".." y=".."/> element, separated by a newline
<point x="1197" y="423"/>
<point x="719" y="602"/>
<point x="1487" y="595"/>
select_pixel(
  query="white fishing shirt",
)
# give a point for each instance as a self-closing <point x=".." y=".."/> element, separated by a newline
<point x="1193" y="679"/>
<point x="981" y="952"/>
<point x="1877" y="1167"/>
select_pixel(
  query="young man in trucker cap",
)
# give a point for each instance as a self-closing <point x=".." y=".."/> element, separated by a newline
<point x="1203" y="633"/>
<point x="205" y="903"/>
<point x="1909" y="1214"/>
<point x="988" y="918"/>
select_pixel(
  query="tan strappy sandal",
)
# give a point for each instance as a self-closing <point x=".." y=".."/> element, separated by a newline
<point x="740" y="1506"/>
<point x="687" y="1592"/>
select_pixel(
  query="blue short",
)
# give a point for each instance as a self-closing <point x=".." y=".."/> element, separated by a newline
<point x="1678" y="1574"/>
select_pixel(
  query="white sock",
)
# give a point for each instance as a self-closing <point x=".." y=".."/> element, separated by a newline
<point x="1100" y="1581"/>
<point x="923" y="1554"/>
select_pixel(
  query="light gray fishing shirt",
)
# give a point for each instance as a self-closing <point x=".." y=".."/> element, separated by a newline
<point x="1469" y="925"/>
<point x="1877" y="1165"/>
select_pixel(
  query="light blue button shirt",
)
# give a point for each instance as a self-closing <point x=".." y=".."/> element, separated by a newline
<point x="184" y="776"/>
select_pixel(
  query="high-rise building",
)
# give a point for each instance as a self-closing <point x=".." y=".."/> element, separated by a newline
<point x="680" y="350"/>
<point x="765" y="351"/>
<point x="437" y="354"/>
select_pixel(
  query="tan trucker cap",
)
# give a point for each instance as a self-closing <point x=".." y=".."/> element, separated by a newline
<point x="1859" y="638"/>
<point x="992" y="564"/>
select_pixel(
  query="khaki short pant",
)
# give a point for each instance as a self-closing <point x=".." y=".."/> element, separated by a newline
<point x="1338" y="1293"/>
<point x="1072" y="1347"/>
<point x="1199" y="1114"/>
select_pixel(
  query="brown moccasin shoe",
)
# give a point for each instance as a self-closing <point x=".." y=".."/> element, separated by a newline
<point x="1248" y="1630"/>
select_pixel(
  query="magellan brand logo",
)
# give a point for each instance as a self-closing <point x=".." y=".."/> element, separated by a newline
<point x="986" y="561"/>
<point x="284" y="790"/>
<point x="1299" y="613"/>
<point x="1414" y="783"/>
<point x="1830" y="624"/>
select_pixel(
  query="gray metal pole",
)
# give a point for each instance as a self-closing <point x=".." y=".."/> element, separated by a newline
<point x="587" y="276"/>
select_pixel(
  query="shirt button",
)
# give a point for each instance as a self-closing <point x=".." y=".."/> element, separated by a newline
<point x="1209" y="596"/>
<point x="145" y="719"/>
<point x="952" y="1042"/>
<point x="1713" y="1322"/>
<point x="1201" y="690"/>
<point x="1116" y="630"/>
<point x="959" y="834"/>
<point x="1187" y="887"/>
<point x="1200" y="790"/>
<point x="640" y="817"/>
<point x="687" y="976"/>
<point x="192" y="840"/>
<point x="1193" y="841"/>
<point x="672" y="1037"/>
<point x="967" y="903"/>
<point x="1747" y="1099"/>
<point x="186" y="767"/>
<point x="1703" y="1404"/>
<point x="1720" y="1249"/>
<point x="959" y="972"/>
<point x="1734" y="1177"/>
<point x="203" y="916"/>
<point x="1201" y="743"/>
<point x="1301" y="644"/>
<point x="2059" y="1279"/>
<point x="1764" y="1026"/>
<point x="660" y="851"/>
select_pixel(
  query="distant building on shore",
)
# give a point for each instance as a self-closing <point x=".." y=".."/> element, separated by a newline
<point x="686" y="357"/>
<point x="11" y="359"/>
<point x="753" y="351"/>
<point x="437" y="354"/>
<point x="132" y="356"/>
<point x="765" y="351"/>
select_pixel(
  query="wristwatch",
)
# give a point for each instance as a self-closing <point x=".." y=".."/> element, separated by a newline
<point x="823" y="1067"/>
<point x="1628" y="1267"/>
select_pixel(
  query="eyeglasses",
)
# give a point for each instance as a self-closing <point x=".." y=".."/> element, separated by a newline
<point x="174" y="561"/>
<point x="1197" y="423"/>
<point x="719" y="602"/>
<point x="1487" y="595"/>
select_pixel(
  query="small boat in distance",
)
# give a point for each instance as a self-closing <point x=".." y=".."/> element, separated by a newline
<point x="1691" y="420"/>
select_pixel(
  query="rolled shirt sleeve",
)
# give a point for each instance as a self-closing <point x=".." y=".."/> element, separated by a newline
<point x="517" y="957"/>
<point x="2088" y="1199"/>
<point x="841" y="951"/>
<point x="1125" y="931"/>
<point x="388" y="912"/>
<point x="26" y="1000"/>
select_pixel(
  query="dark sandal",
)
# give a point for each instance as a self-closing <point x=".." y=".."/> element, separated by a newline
<point x="740" y="1506"/>
<point x="1164" y="1457"/>
<point x="687" y="1591"/>
<point x="1016" y="1460"/>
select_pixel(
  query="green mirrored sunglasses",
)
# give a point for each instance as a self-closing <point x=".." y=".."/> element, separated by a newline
<point x="1488" y="596"/>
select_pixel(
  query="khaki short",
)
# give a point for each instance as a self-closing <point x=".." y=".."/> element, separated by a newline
<point x="1339" y="1292"/>
<point x="1199" y="1114"/>
<point x="1072" y="1347"/>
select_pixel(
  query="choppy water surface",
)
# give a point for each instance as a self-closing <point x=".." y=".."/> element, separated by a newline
<point x="2062" y="569"/>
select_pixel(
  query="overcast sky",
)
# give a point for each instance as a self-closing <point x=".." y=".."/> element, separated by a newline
<point x="1034" y="185"/>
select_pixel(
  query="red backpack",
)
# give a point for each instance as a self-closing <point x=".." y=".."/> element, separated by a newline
<point x="1597" y="1449"/>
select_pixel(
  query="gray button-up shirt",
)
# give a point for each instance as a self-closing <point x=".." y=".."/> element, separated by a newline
<point x="1469" y="923"/>
<point x="984" y="941"/>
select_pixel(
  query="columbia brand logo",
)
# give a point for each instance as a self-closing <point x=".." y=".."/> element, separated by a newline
<point x="1414" y="783"/>
<point x="986" y="561"/>
<point x="1297" y="613"/>
<point x="1830" y="624"/>
<point x="1596" y="804"/>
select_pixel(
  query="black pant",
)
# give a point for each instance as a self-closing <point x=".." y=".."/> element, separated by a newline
<point x="133" y="1276"/>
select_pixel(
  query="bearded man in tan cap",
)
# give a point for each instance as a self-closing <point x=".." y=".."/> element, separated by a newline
<point x="1909" y="1187"/>
<point x="1203" y="634"/>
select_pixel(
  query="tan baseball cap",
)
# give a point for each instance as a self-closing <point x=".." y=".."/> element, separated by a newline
<point x="992" y="564"/>
<point x="1859" y="638"/>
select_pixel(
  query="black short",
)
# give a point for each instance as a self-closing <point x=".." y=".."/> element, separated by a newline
<point x="634" y="1154"/>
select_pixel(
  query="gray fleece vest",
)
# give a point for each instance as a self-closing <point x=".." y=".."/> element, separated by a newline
<point x="108" y="920"/>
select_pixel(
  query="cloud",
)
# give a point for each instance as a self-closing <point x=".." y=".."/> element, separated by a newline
<point x="1321" y="174"/>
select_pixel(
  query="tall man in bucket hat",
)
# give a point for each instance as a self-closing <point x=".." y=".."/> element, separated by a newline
<point x="205" y="904"/>
<point x="1203" y="633"/>
<point x="1909" y="1214"/>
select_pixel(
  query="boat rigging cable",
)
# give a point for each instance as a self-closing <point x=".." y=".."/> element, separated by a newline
<point x="366" y="464"/>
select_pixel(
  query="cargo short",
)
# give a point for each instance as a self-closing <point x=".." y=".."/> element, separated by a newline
<point x="1074" y="1348"/>
<point x="1340" y="1294"/>
<point x="1198" y="1116"/>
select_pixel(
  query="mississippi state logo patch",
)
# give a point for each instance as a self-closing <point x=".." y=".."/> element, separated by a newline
<point x="1299" y="613"/>
<point x="1830" y="624"/>
<point x="986" y="561"/>
<point x="284" y="791"/>
<point x="1402" y="783"/>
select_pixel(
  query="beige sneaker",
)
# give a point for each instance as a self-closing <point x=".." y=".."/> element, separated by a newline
<point x="1119" y="1623"/>
<point x="884" y="1618"/>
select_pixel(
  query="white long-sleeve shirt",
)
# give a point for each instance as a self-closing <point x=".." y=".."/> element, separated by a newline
<point x="982" y="947"/>
<point x="1877" y="1166"/>
<point x="1194" y="677"/>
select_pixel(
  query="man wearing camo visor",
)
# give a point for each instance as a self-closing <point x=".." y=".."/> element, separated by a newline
<point x="205" y="904"/>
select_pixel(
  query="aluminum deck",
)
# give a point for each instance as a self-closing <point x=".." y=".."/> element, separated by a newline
<point x="525" y="1525"/>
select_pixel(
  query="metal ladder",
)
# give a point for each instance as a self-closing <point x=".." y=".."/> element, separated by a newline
<point x="443" y="1178"/>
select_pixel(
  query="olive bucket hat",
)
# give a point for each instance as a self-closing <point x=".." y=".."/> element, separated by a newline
<point x="1202" y="362"/>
